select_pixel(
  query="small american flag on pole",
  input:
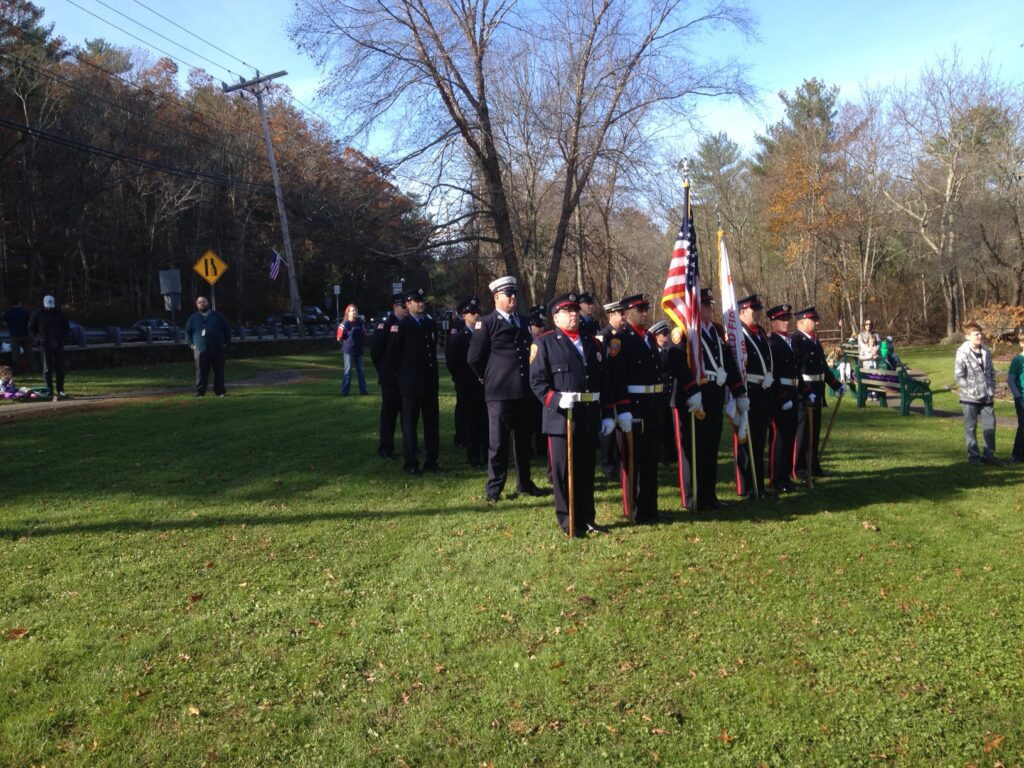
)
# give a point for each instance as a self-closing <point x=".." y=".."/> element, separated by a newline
<point x="275" y="264"/>
<point x="681" y="298"/>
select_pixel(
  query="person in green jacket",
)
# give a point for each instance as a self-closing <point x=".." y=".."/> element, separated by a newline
<point x="208" y="334"/>
<point x="1016" y="382"/>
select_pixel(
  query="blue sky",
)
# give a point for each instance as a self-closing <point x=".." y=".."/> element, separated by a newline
<point x="852" y="45"/>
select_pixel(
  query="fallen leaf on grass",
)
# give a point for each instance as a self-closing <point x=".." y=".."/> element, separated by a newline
<point x="869" y="526"/>
<point x="994" y="743"/>
<point x="611" y="729"/>
<point x="193" y="710"/>
<point x="518" y="726"/>
<point x="724" y="737"/>
<point x="15" y="633"/>
<point x="183" y="657"/>
<point x="627" y="666"/>
<point x="440" y="669"/>
<point x="659" y="731"/>
<point x="195" y="597"/>
<point x="586" y="600"/>
<point x="315" y="622"/>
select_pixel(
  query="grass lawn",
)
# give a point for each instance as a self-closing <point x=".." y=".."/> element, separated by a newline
<point x="244" y="582"/>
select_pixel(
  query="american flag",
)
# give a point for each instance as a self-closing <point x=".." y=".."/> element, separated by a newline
<point x="681" y="298"/>
<point x="275" y="264"/>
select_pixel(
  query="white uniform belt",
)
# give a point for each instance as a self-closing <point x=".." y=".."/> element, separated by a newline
<point x="645" y="389"/>
<point x="813" y="377"/>
<point x="789" y="382"/>
<point x="755" y="377"/>
<point x="586" y="397"/>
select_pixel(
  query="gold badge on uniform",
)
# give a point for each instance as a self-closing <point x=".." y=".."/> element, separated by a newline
<point x="614" y="346"/>
<point x="677" y="335"/>
<point x="533" y="352"/>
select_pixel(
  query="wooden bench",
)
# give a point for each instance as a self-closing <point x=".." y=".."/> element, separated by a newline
<point x="908" y="384"/>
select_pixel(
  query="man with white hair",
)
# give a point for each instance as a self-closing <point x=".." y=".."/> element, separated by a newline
<point x="51" y="327"/>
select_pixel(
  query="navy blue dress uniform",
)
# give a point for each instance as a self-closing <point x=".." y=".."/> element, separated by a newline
<point x="815" y="374"/>
<point x="786" y="402"/>
<point x="720" y="374"/>
<point x="609" y="444"/>
<point x="682" y="386"/>
<point x="470" y="410"/>
<point x="538" y="322"/>
<point x="760" y="381"/>
<point x="565" y="362"/>
<point x="451" y="330"/>
<point x="660" y="330"/>
<point x="588" y="324"/>
<point x="635" y="386"/>
<point x="412" y="352"/>
<point x="387" y="378"/>
<point x="499" y="355"/>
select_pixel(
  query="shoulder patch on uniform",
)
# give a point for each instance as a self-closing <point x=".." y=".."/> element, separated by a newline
<point x="479" y="324"/>
<point x="614" y="346"/>
<point x="598" y="353"/>
<point x="380" y="326"/>
<point x="394" y="328"/>
<point x="455" y="331"/>
<point x="533" y="352"/>
<point x="677" y="335"/>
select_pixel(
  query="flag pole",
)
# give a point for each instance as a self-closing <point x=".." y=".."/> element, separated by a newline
<point x="693" y="419"/>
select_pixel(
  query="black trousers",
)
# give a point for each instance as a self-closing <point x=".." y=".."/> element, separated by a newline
<point x="1018" y="441"/>
<point x="760" y="419"/>
<point x="390" y="407"/>
<point x="412" y="406"/>
<point x="459" y="438"/>
<point x="211" y="358"/>
<point x="53" y="366"/>
<point x="584" y="456"/>
<point x="709" y="436"/>
<point x="780" y="465"/>
<point x="609" y="454"/>
<point x="800" y="446"/>
<point x="508" y="422"/>
<point x="647" y="442"/>
<point x="474" y="412"/>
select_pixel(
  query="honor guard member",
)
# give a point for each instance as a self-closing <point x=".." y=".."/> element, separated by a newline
<point x="815" y="373"/>
<point x="413" y="354"/>
<point x="785" y="399"/>
<point x="538" y="322"/>
<point x="449" y="329"/>
<point x="721" y="376"/>
<point x="760" y="379"/>
<point x="609" y="444"/>
<point x="635" y="389"/>
<point x="660" y="331"/>
<point x="387" y="378"/>
<point x="684" y="399"/>
<point x="499" y="355"/>
<point x="588" y="323"/>
<point x="470" y="410"/>
<point x="565" y="375"/>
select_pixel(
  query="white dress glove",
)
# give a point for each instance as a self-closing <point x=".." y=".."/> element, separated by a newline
<point x="743" y="404"/>
<point x="566" y="400"/>
<point x="768" y="381"/>
<point x="720" y="377"/>
<point x="788" y="405"/>
<point x="625" y="421"/>
<point x="730" y="409"/>
<point x="607" y="427"/>
<point x="812" y="398"/>
<point x="695" y="403"/>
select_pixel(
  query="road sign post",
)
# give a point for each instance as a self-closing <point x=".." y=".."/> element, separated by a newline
<point x="211" y="267"/>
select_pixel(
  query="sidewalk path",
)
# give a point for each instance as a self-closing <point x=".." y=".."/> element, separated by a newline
<point x="26" y="410"/>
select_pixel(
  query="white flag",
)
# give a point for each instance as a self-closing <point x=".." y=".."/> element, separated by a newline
<point x="730" y="313"/>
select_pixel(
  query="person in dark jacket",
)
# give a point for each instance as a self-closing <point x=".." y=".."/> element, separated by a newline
<point x="815" y="374"/>
<point x="387" y="378"/>
<point x="662" y="333"/>
<point x="208" y="334"/>
<point x="759" y="377"/>
<point x="609" y="443"/>
<point x="412" y="353"/>
<point x="352" y="335"/>
<point x="51" y="327"/>
<point x="588" y="323"/>
<point x="786" y="399"/>
<point x="470" y="409"/>
<point x="499" y="357"/>
<point x="17" y="318"/>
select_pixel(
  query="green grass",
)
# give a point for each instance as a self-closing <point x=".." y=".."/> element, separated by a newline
<point x="243" y="582"/>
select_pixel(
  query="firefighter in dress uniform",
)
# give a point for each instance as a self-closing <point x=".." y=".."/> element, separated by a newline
<point x="760" y="379"/>
<point x="470" y="409"/>
<point x="566" y="373"/>
<point x="588" y="323"/>
<point x="387" y="378"/>
<point x="609" y="445"/>
<point x="635" y="389"/>
<point x="721" y="378"/>
<point x="815" y="374"/>
<point x="786" y="399"/>
<point x="499" y="356"/>
<point x="661" y="333"/>
<point x="538" y="321"/>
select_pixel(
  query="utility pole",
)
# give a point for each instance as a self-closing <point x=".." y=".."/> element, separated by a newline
<point x="253" y="86"/>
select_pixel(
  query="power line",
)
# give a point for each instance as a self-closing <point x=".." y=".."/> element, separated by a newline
<point x="197" y="37"/>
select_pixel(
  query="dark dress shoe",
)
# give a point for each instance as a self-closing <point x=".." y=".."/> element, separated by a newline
<point x="993" y="461"/>
<point x="595" y="528"/>
<point x="413" y="471"/>
<point x="492" y="500"/>
<point x="384" y="454"/>
<point x="533" y="490"/>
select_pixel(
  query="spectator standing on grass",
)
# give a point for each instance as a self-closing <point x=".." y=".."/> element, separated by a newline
<point x="16" y="318"/>
<point x="50" y="326"/>
<point x="868" y="346"/>
<point x="1016" y="382"/>
<point x="352" y="335"/>
<point x="208" y="334"/>
<point x="976" y="380"/>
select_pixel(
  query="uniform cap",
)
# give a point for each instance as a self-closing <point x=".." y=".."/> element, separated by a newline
<point x="659" y="327"/>
<point x="586" y="298"/>
<point x="750" y="302"/>
<point x="537" y="320"/>
<point x="807" y="314"/>
<point x="470" y="304"/>
<point x="538" y="309"/>
<point x="636" y="301"/>
<point x="503" y="283"/>
<point x="706" y="297"/>
<point x="781" y="312"/>
<point x="417" y="294"/>
<point x="565" y="301"/>
<point x="398" y="298"/>
<point x="49" y="302"/>
<point x="613" y="306"/>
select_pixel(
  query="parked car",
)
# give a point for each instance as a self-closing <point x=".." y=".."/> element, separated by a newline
<point x="315" y="316"/>
<point x="162" y="330"/>
<point x="280" y="321"/>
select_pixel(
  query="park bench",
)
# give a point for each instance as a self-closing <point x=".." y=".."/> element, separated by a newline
<point x="907" y="384"/>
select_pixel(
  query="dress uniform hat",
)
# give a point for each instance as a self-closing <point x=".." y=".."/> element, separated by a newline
<point x="659" y="327"/>
<point x="537" y="320"/>
<point x="636" y="301"/>
<point x="807" y="314"/>
<point x="781" y="312"/>
<point x="586" y="298"/>
<point x="706" y="297"/>
<point x="472" y="304"/>
<point x="565" y="301"/>
<point x="417" y="294"/>
<point x="750" y="302"/>
<point x="613" y="306"/>
<point x="539" y="309"/>
<point x="507" y="283"/>
<point x="398" y="298"/>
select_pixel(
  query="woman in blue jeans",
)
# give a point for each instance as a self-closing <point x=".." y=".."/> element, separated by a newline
<point x="352" y="334"/>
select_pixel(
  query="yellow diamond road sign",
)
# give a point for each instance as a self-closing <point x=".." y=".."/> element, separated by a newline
<point x="210" y="267"/>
